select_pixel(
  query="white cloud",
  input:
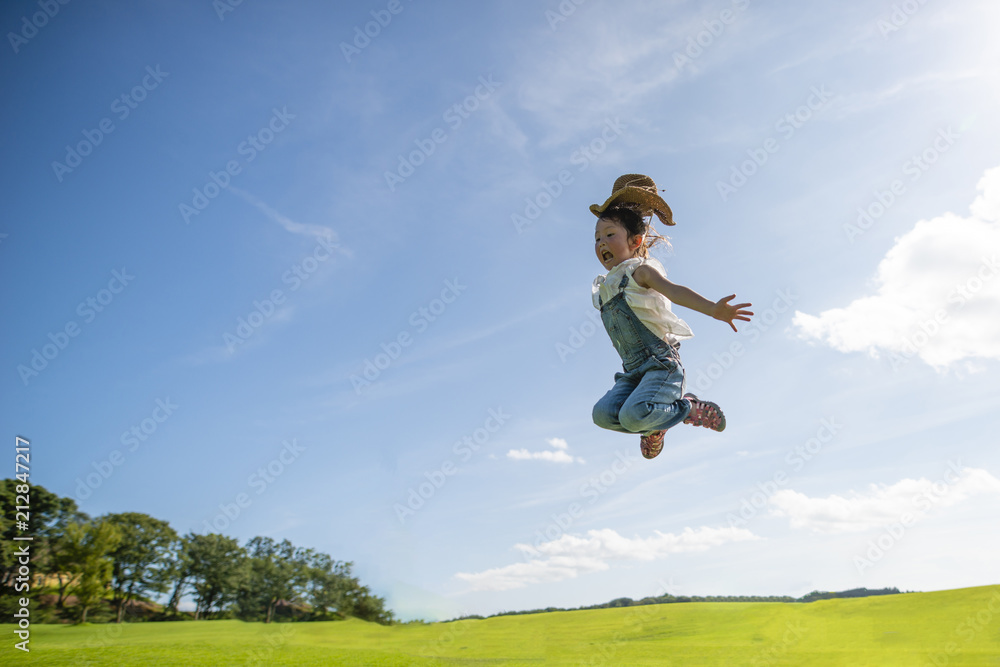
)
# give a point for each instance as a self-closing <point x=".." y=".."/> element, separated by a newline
<point x="938" y="292"/>
<point x="525" y="455"/>
<point x="882" y="505"/>
<point x="571" y="555"/>
<point x="315" y="231"/>
<point x="557" y="454"/>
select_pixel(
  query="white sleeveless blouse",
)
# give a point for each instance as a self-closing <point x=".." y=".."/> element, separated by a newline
<point x="651" y="307"/>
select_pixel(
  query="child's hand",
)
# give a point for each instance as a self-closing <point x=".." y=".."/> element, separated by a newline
<point x="726" y="312"/>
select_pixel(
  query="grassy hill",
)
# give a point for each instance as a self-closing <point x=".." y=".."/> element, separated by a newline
<point x="959" y="627"/>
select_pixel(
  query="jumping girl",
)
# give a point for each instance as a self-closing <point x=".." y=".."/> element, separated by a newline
<point x="634" y="298"/>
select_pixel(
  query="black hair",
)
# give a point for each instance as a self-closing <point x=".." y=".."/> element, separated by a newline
<point x="635" y="224"/>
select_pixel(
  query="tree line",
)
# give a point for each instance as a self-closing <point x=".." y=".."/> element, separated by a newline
<point x="131" y="558"/>
<point x="673" y="599"/>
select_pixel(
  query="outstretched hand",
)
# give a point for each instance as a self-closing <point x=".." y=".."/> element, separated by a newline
<point x="727" y="312"/>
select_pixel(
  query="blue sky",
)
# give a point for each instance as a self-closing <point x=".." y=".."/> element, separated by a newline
<point x="267" y="275"/>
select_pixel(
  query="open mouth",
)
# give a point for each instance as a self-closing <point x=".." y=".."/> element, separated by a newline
<point x="606" y="255"/>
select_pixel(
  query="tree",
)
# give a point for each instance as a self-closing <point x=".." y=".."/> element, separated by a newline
<point x="275" y="572"/>
<point x="179" y="570"/>
<point x="327" y="584"/>
<point x="141" y="562"/>
<point x="49" y="515"/>
<point x="360" y="602"/>
<point x="61" y="564"/>
<point x="216" y="565"/>
<point x="368" y="607"/>
<point x="88" y="556"/>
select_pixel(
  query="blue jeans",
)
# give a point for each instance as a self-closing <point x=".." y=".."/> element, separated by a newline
<point x="650" y="398"/>
<point x="649" y="394"/>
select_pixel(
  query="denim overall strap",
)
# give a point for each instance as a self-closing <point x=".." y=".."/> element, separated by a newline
<point x="621" y="288"/>
<point x="633" y="340"/>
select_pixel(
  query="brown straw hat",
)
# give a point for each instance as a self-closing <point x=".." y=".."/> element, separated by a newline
<point x="640" y="190"/>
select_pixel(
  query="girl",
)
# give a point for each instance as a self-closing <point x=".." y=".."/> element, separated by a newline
<point x="634" y="299"/>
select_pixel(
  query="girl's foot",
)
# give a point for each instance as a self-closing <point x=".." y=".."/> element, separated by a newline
<point x="651" y="444"/>
<point x="705" y="413"/>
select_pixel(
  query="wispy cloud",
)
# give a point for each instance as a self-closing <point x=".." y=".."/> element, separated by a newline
<point x="901" y="91"/>
<point x="233" y="344"/>
<point x="572" y="555"/>
<point x="315" y="231"/>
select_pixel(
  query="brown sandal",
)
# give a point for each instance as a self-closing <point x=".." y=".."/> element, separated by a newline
<point x="705" y="413"/>
<point x="651" y="444"/>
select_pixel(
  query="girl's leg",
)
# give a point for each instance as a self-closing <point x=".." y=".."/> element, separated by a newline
<point x="657" y="403"/>
<point x="606" y="410"/>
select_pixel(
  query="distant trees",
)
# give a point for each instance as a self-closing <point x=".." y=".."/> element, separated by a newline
<point x="88" y="554"/>
<point x="853" y="593"/>
<point x="180" y="571"/>
<point x="361" y="603"/>
<point x="279" y="573"/>
<point x="327" y="586"/>
<point x="274" y="572"/>
<point x="215" y="566"/>
<point x="131" y="556"/>
<point x="49" y="516"/>
<point x="670" y="599"/>
<point x="140" y="562"/>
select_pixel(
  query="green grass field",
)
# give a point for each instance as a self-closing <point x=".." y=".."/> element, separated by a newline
<point x="960" y="627"/>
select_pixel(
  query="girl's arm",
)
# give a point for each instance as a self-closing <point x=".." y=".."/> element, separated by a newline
<point x="648" y="277"/>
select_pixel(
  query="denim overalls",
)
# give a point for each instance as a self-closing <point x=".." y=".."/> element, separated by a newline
<point x="648" y="396"/>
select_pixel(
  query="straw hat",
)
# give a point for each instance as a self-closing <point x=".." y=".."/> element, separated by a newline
<point x="637" y="189"/>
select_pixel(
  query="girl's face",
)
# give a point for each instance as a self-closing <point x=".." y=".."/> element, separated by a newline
<point x="612" y="243"/>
